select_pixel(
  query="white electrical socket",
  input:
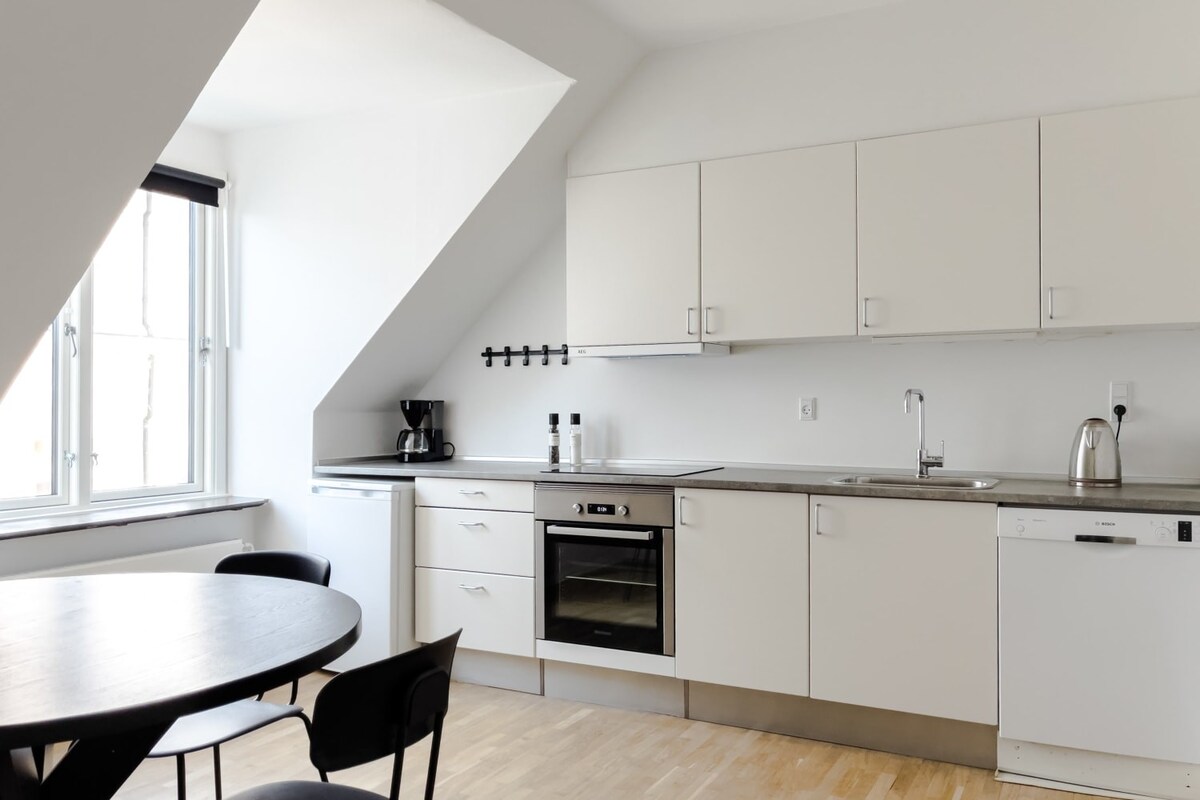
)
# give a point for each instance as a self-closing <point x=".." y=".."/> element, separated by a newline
<point x="1118" y="393"/>
<point x="808" y="409"/>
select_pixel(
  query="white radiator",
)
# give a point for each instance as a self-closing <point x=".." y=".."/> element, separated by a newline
<point x="202" y="558"/>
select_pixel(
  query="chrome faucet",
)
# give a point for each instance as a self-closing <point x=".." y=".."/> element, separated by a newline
<point x="924" y="459"/>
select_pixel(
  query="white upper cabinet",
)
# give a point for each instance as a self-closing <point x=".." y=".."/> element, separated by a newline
<point x="948" y="231"/>
<point x="778" y="245"/>
<point x="633" y="257"/>
<point x="1120" y="204"/>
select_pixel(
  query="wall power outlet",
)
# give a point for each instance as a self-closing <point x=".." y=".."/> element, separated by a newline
<point x="1119" y="392"/>
<point x="808" y="409"/>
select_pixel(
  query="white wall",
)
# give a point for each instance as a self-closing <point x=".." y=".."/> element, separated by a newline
<point x="196" y="149"/>
<point x="1002" y="406"/>
<point x="916" y="65"/>
<point x="89" y="94"/>
<point x="1010" y="406"/>
<point x="334" y="221"/>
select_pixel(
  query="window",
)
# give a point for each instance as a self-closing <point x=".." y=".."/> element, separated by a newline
<point x="117" y="402"/>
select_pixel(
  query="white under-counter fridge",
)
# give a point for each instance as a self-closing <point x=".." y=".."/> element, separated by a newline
<point x="365" y="528"/>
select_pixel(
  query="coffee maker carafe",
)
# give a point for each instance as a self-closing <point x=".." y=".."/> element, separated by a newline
<point x="423" y="439"/>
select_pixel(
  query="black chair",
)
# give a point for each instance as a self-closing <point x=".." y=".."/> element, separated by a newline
<point x="213" y="727"/>
<point x="370" y="712"/>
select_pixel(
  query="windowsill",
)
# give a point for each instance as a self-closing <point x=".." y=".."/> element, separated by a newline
<point x="122" y="515"/>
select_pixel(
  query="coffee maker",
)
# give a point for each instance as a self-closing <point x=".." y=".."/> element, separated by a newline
<point x="422" y="439"/>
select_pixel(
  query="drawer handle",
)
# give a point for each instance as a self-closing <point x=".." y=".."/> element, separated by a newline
<point x="470" y="588"/>
<point x="472" y="524"/>
<point x="469" y="491"/>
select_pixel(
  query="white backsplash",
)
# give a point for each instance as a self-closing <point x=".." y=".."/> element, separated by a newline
<point x="1004" y="406"/>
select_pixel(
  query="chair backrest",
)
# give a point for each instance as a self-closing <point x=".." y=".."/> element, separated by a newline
<point x="294" y="565"/>
<point x="372" y="711"/>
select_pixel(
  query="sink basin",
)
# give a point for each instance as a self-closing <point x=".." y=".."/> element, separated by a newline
<point x="913" y="482"/>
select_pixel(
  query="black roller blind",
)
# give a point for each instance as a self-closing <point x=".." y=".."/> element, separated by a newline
<point x="181" y="183"/>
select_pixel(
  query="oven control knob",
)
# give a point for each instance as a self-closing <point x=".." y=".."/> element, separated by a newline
<point x="622" y="511"/>
<point x="577" y="508"/>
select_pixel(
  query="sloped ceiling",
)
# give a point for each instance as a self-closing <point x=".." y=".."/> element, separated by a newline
<point x="514" y="218"/>
<point x="90" y="94"/>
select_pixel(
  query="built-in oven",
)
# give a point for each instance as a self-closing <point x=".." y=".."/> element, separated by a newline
<point x="605" y="566"/>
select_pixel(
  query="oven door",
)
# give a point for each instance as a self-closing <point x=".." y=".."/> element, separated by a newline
<point x="606" y="587"/>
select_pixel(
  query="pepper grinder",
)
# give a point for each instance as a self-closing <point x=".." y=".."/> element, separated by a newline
<point x="575" y="441"/>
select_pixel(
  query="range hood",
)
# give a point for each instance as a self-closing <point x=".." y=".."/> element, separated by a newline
<point x="651" y="350"/>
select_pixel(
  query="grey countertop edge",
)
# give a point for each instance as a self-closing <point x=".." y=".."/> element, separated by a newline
<point x="1019" y="491"/>
<point x="121" y="515"/>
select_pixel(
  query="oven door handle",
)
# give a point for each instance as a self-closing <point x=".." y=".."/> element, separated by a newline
<point x="599" y="533"/>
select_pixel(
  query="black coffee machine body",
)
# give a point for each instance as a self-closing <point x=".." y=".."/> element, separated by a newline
<point x="423" y="439"/>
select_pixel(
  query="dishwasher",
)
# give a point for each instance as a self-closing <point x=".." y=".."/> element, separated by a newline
<point x="365" y="528"/>
<point x="1100" y="651"/>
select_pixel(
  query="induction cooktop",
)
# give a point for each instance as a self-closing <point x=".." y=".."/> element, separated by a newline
<point x="676" y="471"/>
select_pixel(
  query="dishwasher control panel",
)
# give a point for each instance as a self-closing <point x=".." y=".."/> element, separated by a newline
<point x="1096" y="527"/>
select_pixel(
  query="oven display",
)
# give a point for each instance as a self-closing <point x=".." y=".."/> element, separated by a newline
<point x="601" y="508"/>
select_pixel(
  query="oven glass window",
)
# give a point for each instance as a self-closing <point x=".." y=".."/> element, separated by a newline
<point x="604" y="592"/>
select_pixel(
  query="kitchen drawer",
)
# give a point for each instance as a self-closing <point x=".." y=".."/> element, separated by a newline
<point x="487" y="495"/>
<point x="494" y="611"/>
<point x="477" y="541"/>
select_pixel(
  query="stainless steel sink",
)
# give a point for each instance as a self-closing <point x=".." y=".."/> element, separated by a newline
<point x="913" y="482"/>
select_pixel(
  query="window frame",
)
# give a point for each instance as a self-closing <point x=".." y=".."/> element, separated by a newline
<point x="73" y="390"/>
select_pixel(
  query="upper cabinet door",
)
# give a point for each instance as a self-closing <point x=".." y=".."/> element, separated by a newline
<point x="633" y="257"/>
<point x="1120" y="204"/>
<point x="778" y="245"/>
<point x="948" y="231"/>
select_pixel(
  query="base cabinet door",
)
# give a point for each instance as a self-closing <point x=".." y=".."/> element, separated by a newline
<point x="904" y="606"/>
<point x="741" y="589"/>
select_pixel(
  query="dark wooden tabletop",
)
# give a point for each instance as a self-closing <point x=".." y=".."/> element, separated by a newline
<point x="102" y="654"/>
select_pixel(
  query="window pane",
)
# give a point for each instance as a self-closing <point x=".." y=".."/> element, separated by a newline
<point x="141" y="366"/>
<point x="28" y="468"/>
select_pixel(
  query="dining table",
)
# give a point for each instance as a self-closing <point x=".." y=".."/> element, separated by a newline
<point x="107" y="663"/>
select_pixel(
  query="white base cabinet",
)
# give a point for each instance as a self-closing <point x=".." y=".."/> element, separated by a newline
<point x="904" y="610"/>
<point x="741" y="589"/>
<point x="474" y="563"/>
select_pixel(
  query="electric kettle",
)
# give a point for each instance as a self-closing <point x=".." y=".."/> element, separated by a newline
<point x="1095" y="455"/>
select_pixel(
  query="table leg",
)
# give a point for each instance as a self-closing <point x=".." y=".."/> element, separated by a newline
<point x="94" y="769"/>
<point x="18" y="775"/>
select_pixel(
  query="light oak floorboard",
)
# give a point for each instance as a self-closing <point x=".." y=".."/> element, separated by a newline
<point x="513" y="746"/>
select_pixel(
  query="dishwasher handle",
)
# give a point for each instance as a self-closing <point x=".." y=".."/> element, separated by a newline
<point x="1098" y="539"/>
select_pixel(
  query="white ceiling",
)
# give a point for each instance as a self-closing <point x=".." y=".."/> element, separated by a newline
<point x="299" y="59"/>
<point x="670" y="23"/>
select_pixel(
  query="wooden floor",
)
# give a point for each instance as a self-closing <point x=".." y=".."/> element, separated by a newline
<point x="512" y="746"/>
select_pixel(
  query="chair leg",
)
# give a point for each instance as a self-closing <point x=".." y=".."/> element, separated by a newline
<point x="180" y="777"/>
<point x="434" y="749"/>
<point x="397" y="771"/>
<point x="217" y="768"/>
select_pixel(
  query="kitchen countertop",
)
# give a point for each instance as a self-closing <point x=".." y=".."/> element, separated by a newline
<point x="1135" y="495"/>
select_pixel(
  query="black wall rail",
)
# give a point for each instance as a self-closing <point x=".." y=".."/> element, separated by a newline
<point x="524" y="352"/>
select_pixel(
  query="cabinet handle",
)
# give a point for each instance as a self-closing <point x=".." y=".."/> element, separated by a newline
<point x="1050" y="302"/>
<point x="470" y="588"/>
<point x="864" y="312"/>
<point x="681" y="522"/>
<point x="690" y="312"/>
<point x="817" y="518"/>
<point x="707" y="309"/>
<point x="469" y="491"/>
<point x="472" y="524"/>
